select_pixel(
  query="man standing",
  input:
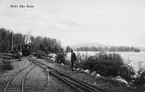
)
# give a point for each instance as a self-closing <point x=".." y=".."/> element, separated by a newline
<point x="73" y="59"/>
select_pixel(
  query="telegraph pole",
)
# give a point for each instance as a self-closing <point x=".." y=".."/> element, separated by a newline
<point x="11" y="41"/>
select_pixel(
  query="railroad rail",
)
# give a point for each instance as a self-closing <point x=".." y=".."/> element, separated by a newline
<point x="80" y="86"/>
<point x="21" y="86"/>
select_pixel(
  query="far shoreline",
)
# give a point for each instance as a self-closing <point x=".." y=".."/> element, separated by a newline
<point x="111" y="51"/>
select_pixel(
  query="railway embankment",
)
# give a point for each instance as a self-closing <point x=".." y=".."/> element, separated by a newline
<point x="36" y="80"/>
<point x="101" y="82"/>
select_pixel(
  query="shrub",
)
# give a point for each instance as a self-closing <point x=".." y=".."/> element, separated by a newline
<point x="109" y="64"/>
<point x="81" y="59"/>
<point x="7" y="65"/>
<point x="113" y="58"/>
<point x="60" y="57"/>
<point x="139" y="80"/>
<point x="127" y="72"/>
<point x="106" y="69"/>
<point x="89" y="63"/>
<point x="40" y="54"/>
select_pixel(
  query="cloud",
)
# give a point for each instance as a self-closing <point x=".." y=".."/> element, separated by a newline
<point x="54" y="23"/>
<point x="71" y="23"/>
<point x="36" y="15"/>
<point x="66" y="24"/>
<point x="57" y="26"/>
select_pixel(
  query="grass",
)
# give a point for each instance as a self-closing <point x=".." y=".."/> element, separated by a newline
<point x="7" y="65"/>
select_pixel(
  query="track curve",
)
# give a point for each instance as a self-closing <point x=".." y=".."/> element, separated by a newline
<point x="20" y="87"/>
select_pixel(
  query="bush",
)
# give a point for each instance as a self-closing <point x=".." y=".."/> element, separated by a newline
<point x="140" y="79"/>
<point x="127" y="72"/>
<point x="113" y="58"/>
<point x="60" y="57"/>
<point x="81" y="59"/>
<point x="106" y="69"/>
<point x="7" y="65"/>
<point x="108" y="64"/>
<point x="89" y="63"/>
<point x="40" y="54"/>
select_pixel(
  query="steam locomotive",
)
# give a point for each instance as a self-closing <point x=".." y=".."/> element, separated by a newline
<point x="26" y="50"/>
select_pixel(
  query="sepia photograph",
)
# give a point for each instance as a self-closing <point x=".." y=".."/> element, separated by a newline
<point x="72" y="46"/>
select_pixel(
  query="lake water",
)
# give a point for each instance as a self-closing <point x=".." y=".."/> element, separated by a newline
<point x="135" y="57"/>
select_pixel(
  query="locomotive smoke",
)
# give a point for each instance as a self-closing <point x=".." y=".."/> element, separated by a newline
<point x="28" y="38"/>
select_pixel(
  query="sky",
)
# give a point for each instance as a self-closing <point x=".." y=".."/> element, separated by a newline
<point x="112" y="22"/>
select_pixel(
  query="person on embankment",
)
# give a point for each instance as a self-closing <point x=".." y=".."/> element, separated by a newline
<point x="73" y="59"/>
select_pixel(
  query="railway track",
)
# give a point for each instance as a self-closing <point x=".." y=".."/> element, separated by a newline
<point x="78" y="85"/>
<point x="18" y="86"/>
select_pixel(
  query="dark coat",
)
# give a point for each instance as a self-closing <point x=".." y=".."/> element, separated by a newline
<point x="73" y="57"/>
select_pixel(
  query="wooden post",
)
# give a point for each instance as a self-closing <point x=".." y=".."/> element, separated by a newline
<point x="12" y="45"/>
<point x="12" y="41"/>
<point x="47" y="77"/>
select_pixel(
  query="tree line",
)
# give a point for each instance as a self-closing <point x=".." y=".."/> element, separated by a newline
<point x="110" y="49"/>
<point x="45" y="44"/>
